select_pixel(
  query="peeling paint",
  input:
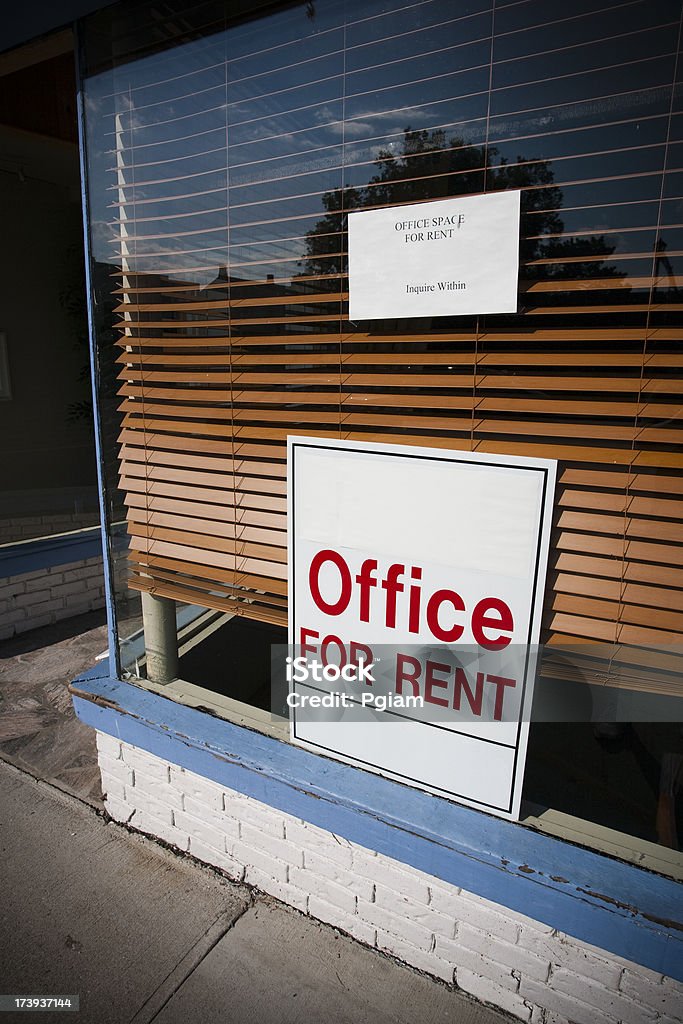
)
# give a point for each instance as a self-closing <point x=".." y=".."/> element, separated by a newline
<point x="665" y="922"/>
<point x="609" y="899"/>
<point x="102" y="702"/>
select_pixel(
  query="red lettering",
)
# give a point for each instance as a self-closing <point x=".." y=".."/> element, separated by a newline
<point x="474" y="700"/>
<point x="501" y="620"/>
<point x="491" y="621"/>
<point x="431" y="681"/>
<point x="448" y="636"/>
<point x="306" y="647"/>
<point x="500" y="682"/>
<point x="365" y="581"/>
<point x="345" y="577"/>
<point x="327" y="642"/>
<point x="414" y="607"/>
<point x="403" y="676"/>
<point x="392" y="587"/>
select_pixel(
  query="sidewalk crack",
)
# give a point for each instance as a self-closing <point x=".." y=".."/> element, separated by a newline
<point x="189" y="963"/>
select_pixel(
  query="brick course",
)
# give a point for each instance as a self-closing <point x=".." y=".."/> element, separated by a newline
<point x="38" y="598"/>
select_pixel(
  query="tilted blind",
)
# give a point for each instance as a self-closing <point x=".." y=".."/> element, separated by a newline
<point x="233" y="161"/>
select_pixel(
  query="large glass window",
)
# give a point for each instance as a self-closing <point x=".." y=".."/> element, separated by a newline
<point x="47" y="456"/>
<point x="225" y="151"/>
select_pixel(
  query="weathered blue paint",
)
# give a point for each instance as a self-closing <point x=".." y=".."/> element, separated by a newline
<point x="48" y="552"/>
<point x="603" y="901"/>
<point x="109" y="597"/>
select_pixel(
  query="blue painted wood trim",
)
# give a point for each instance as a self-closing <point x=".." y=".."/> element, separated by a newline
<point x="47" y="552"/>
<point x="109" y="583"/>
<point x="616" y="906"/>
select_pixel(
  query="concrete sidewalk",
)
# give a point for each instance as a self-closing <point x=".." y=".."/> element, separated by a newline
<point x="39" y="731"/>
<point x="141" y="934"/>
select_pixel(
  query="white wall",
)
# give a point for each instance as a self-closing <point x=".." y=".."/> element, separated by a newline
<point x="32" y="599"/>
<point x="534" y="972"/>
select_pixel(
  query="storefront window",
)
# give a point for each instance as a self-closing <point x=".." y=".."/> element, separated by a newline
<point x="47" y="460"/>
<point x="224" y="153"/>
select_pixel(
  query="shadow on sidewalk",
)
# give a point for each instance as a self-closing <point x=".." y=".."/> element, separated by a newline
<point x="39" y="731"/>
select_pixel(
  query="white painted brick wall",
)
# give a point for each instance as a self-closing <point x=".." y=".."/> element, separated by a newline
<point x="520" y="965"/>
<point x="38" y="598"/>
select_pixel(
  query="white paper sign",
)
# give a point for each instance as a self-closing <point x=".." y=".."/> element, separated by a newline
<point x="445" y="258"/>
<point x="433" y="561"/>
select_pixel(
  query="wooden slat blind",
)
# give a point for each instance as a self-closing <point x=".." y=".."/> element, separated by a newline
<point x="232" y="169"/>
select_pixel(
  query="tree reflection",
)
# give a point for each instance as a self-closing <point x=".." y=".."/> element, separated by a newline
<point x="429" y="166"/>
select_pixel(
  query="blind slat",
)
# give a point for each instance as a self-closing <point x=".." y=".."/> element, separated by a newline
<point x="231" y="307"/>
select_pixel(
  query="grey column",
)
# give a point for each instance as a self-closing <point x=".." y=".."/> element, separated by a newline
<point x="161" y="638"/>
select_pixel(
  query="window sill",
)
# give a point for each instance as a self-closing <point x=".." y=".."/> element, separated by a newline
<point x="596" y="898"/>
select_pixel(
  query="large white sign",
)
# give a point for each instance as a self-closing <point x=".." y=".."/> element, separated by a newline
<point x="444" y="258"/>
<point x="420" y="574"/>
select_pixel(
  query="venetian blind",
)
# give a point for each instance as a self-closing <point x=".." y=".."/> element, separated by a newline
<point x="234" y="159"/>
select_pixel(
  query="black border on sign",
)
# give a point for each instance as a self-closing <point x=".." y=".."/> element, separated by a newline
<point x="534" y="597"/>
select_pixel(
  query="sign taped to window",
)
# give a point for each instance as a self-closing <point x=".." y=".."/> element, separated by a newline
<point x="451" y="257"/>
<point x="416" y="580"/>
